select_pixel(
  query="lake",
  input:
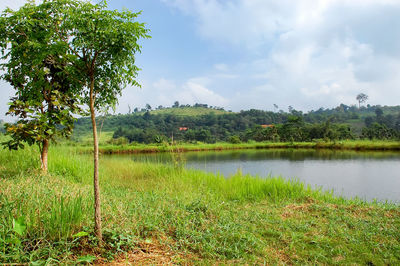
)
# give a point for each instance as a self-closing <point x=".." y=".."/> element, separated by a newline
<point x="367" y="175"/>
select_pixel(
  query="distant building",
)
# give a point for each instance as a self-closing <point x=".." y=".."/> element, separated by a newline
<point x="267" y="126"/>
<point x="183" y="128"/>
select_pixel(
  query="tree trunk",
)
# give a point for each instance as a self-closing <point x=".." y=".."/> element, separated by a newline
<point x="43" y="155"/>
<point x="97" y="209"/>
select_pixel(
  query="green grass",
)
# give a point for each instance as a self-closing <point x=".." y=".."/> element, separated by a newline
<point x="191" y="215"/>
<point x="86" y="139"/>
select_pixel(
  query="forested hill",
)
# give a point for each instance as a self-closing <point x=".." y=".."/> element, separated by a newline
<point x="202" y="123"/>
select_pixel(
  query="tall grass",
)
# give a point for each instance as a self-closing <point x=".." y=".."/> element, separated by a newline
<point x="48" y="208"/>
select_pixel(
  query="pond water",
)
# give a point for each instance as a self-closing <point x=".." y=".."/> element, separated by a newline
<point x="367" y="175"/>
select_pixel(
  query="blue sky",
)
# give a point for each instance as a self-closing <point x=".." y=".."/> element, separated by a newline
<point x="242" y="54"/>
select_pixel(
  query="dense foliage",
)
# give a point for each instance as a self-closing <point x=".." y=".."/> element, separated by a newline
<point x="342" y="122"/>
<point x="35" y="64"/>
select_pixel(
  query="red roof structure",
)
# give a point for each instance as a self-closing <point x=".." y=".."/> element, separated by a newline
<point x="267" y="126"/>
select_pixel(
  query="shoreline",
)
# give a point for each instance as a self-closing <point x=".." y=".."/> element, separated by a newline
<point x="346" y="145"/>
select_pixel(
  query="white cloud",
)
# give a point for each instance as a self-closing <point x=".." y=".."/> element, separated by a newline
<point x="307" y="53"/>
<point x="196" y="93"/>
<point x="164" y="85"/>
<point x="165" y="92"/>
<point x="13" y="4"/>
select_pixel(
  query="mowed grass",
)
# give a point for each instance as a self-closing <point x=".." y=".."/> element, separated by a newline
<point x="189" y="216"/>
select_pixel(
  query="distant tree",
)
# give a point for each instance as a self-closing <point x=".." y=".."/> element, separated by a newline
<point x="176" y="104"/>
<point x="379" y="113"/>
<point x="368" y="121"/>
<point x="378" y="131"/>
<point x="129" y="109"/>
<point x="136" y="110"/>
<point x="361" y="98"/>
<point x="2" y="126"/>
<point x="148" y="107"/>
<point x="147" y="115"/>
<point x="344" y="107"/>
<point x="397" y="122"/>
<point x="276" y="107"/>
<point x="290" y="108"/>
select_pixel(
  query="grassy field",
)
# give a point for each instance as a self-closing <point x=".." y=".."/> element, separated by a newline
<point x="164" y="214"/>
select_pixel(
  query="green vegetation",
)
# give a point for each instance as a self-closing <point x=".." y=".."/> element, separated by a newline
<point x="35" y="64"/>
<point x="182" y="216"/>
<point x="65" y="54"/>
<point x="175" y="124"/>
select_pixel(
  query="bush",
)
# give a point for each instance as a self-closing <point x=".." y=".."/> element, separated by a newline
<point x="234" y="139"/>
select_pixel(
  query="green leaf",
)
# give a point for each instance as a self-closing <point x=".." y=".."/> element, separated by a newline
<point x="37" y="263"/>
<point x="87" y="259"/>
<point x="80" y="234"/>
<point x="19" y="226"/>
<point x="13" y="240"/>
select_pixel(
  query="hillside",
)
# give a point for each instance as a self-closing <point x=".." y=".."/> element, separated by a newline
<point x="187" y="111"/>
<point x="210" y="125"/>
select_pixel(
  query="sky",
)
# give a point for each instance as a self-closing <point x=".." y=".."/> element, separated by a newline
<point x="243" y="54"/>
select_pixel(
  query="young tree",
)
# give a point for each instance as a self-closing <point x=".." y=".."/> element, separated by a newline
<point x="379" y="113"/>
<point x="35" y="64"/>
<point x="361" y="98"/>
<point x="103" y="44"/>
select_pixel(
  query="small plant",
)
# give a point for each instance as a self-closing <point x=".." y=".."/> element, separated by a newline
<point x="177" y="157"/>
